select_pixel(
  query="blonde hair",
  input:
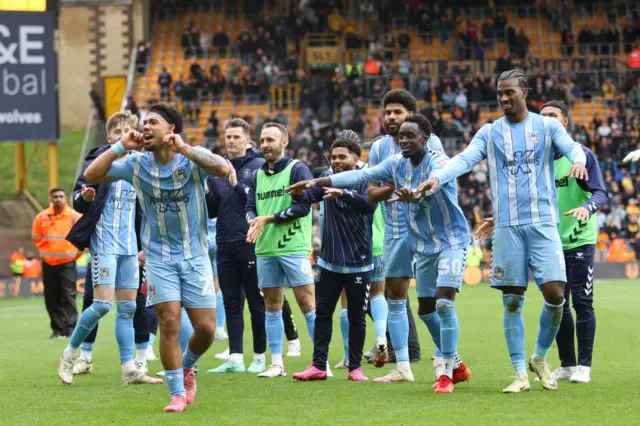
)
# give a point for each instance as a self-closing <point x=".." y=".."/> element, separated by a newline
<point x="122" y="117"/>
<point x="283" y="130"/>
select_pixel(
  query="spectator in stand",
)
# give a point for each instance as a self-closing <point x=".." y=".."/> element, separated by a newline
<point x="522" y="44"/>
<point x="489" y="33"/>
<point x="185" y="42"/>
<point x="500" y="24"/>
<point x="586" y="39"/>
<point x="220" y="42"/>
<point x="504" y="63"/>
<point x="142" y="55"/>
<point x="335" y="21"/>
<point x="211" y="135"/>
<point x="217" y="82"/>
<point x="396" y="82"/>
<point x="404" y="41"/>
<point x="566" y="37"/>
<point x="164" y="81"/>
<point x="191" y="104"/>
<point x="609" y="93"/>
<point x="132" y="106"/>
<point x="195" y="41"/>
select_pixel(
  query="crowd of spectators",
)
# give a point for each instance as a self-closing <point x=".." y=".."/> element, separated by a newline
<point x="328" y="103"/>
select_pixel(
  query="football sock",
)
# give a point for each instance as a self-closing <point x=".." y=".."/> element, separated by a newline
<point x="175" y="380"/>
<point x="514" y="330"/>
<point x="189" y="358"/>
<point x="399" y="329"/>
<point x="344" y="330"/>
<point x="275" y="333"/>
<point x="88" y="321"/>
<point x="379" y="313"/>
<point x="310" y="317"/>
<point x="186" y="330"/>
<point x="448" y="332"/>
<point x="125" y="334"/>
<point x="550" y="319"/>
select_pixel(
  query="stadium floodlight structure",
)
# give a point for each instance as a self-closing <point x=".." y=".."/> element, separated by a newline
<point x="29" y="84"/>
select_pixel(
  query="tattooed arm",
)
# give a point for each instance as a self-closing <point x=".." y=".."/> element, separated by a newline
<point x="212" y="164"/>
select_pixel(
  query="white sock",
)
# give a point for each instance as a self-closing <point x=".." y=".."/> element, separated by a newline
<point x="152" y="338"/>
<point x="403" y="366"/>
<point x="86" y="356"/>
<point x="141" y="356"/>
<point x="259" y="357"/>
<point x="70" y="352"/>
<point x="236" y="359"/>
<point x="448" y="367"/>
<point x="128" y="367"/>
<point x="277" y="359"/>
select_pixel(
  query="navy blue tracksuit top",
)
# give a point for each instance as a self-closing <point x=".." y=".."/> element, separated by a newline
<point x="228" y="203"/>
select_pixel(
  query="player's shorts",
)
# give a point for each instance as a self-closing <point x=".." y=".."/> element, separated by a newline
<point x="444" y="269"/>
<point x="517" y="248"/>
<point x="274" y="271"/>
<point x="377" y="274"/>
<point x="398" y="258"/>
<point x="189" y="281"/>
<point x="213" y="255"/>
<point x="115" y="270"/>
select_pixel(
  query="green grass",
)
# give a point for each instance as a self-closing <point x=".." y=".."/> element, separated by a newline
<point x="68" y="152"/>
<point x="33" y="394"/>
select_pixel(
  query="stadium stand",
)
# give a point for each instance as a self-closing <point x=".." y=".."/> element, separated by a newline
<point x="253" y="64"/>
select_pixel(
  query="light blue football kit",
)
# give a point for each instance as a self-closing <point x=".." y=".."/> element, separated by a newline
<point x="439" y="238"/>
<point x="397" y="254"/>
<point x="114" y="263"/>
<point x="113" y="245"/>
<point x="525" y="209"/>
<point x="174" y="227"/>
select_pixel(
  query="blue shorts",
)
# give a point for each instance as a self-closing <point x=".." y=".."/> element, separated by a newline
<point x="517" y="248"/>
<point x="444" y="269"/>
<point x="398" y="258"/>
<point x="213" y="257"/>
<point x="189" y="281"/>
<point x="274" y="271"/>
<point x="377" y="274"/>
<point x="115" y="270"/>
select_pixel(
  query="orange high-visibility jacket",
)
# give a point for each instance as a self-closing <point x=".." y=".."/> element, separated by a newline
<point x="49" y="232"/>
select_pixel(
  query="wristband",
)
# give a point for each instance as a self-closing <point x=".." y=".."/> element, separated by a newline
<point x="119" y="149"/>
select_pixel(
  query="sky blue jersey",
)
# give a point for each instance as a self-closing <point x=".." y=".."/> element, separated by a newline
<point x="172" y="199"/>
<point x="396" y="214"/>
<point x="520" y="157"/>
<point x="115" y="230"/>
<point x="436" y="220"/>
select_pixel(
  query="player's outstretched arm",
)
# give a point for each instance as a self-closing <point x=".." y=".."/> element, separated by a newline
<point x="464" y="162"/>
<point x="99" y="170"/>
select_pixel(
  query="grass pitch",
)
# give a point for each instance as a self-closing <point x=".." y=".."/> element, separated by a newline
<point x="32" y="393"/>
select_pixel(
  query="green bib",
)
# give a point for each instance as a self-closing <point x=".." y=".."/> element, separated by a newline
<point x="377" y="231"/>
<point x="292" y="237"/>
<point x="572" y="233"/>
